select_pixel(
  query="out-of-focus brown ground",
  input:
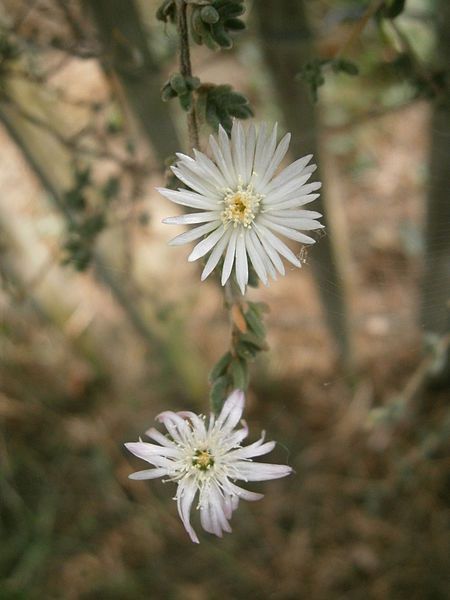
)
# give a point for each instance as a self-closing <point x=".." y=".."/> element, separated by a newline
<point x="364" y="514"/>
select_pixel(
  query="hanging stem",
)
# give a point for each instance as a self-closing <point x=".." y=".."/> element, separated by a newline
<point x="234" y="305"/>
<point x="186" y="70"/>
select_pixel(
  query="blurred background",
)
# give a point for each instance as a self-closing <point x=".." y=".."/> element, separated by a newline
<point x="102" y="325"/>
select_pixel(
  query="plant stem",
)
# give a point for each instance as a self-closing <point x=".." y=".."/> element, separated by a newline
<point x="186" y="70"/>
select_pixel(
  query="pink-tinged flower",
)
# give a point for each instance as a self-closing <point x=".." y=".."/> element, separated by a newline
<point x="243" y="205"/>
<point x="206" y="459"/>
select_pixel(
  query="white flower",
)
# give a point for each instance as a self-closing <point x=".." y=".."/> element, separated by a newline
<point x="207" y="459"/>
<point x="242" y="206"/>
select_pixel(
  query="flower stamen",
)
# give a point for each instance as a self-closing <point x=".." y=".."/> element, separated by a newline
<point x="203" y="460"/>
<point x="241" y="206"/>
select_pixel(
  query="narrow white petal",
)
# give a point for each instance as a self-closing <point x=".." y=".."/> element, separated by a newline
<point x="185" y="497"/>
<point x="193" y="218"/>
<point x="145" y="450"/>
<point x="292" y="234"/>
<point x="279" y="246"/>
<point x="210" y="169"/>
<point x="256" y="260"/>
<point x="224" y="144"/>
<point x="188" y="198"/>
<point x="291" y="188"/>
<point x="197" y="422"/>
<point x="255" y="449"/>
<point x="205" y="518"/>
<point x="156" y="435"/>
<point x="194" y="234"/>
<point x="205" y="245"/>
<point x="251" y="471"/>
<point x="175" y="425"/>
<point x="229" y="257"/>
<point x="278" y="156"/>
<point x="195" y="182"/>
<point x="224" y="166"/>
<point x="148" y="474"/>
<point x="238" y="149"/>
<point x="295" y="222"/>
<point x="241" y="262"/>
<point x="249" y="153"/>
<point x="264" y="255"/>
<point x="216" y="255"/>
<point x="303" y="214"/>
<point x="236" y="437"/>
<point x="293" y="170"/>
<point x="265" y="148"/>
<point x="293" y="202"/>
<point x="232" y="410"/>
<point x="272" y="253"/>
<point x="239" y="492"/>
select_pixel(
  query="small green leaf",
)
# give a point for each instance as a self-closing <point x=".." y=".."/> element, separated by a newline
<point x="254" y="322"/>
<point x="218" y="392"/>
<point x="209" y="15"/>
<point x="239" y="373"/>
<point x="178" y="83"/>
<point x="393" y="8"/>
<point x="345" y="66"/>
<point x="220" y="367"/>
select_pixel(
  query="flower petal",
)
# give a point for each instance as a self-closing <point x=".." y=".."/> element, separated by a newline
<point x="256" y="259"/>
<point x="292" y="234"/>
<point x="232" y="410"/>
<point x="185" y="497"/>
<point x="148" y="474"/>
<point x="196" y="182"/>
<point x="193" y="234"/>
<point x="156" y="435"/>
<point x="293" y="202"/>
<point x="188" y="198"/>
<point x="229" y="257"/>
<point x="145" y="450"/>
<point x="293" y="170"/>
<point x="192" y="218"/>
<point x="279" y="246"/>
<point x="207" y="244"/>
<point x="216" y="255"/>
<point x="241" y="262"/>
<point x="252" y="471"/>
<point x="239" y="492"/>
<point x="278" y="156"/>
<point x="238" y="149"/>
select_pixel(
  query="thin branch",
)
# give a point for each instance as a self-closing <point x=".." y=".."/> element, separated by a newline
<point x="186" y="70"/>
<point x="359" y="27"/>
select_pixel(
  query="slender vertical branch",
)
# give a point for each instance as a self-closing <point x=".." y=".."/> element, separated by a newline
<point x="186" y="70"/>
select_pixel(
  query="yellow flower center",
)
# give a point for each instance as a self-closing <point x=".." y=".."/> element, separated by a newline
<point x="241" y="206"/>
<point x="203" y="460"/>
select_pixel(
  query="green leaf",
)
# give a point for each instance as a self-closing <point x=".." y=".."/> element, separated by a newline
<point x="167" y="93"/>
<point x="345" y="66"/>
<point x="220" y="367"/>
<point x="239" y="373"/>
<point x="185" y="101"/>
<point x="178" y="83"/>
<point x="209" y="15"/>
<point x="218" y="392"/>
<point x="254" y="322"/>
<point x="393" y="8"/>
<point x="235" y="24"/>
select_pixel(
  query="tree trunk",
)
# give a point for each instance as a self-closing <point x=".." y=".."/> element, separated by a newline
<point x="436" y="280"/>
<point x="128" y="55"/>
<point x="287" y="44"/>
